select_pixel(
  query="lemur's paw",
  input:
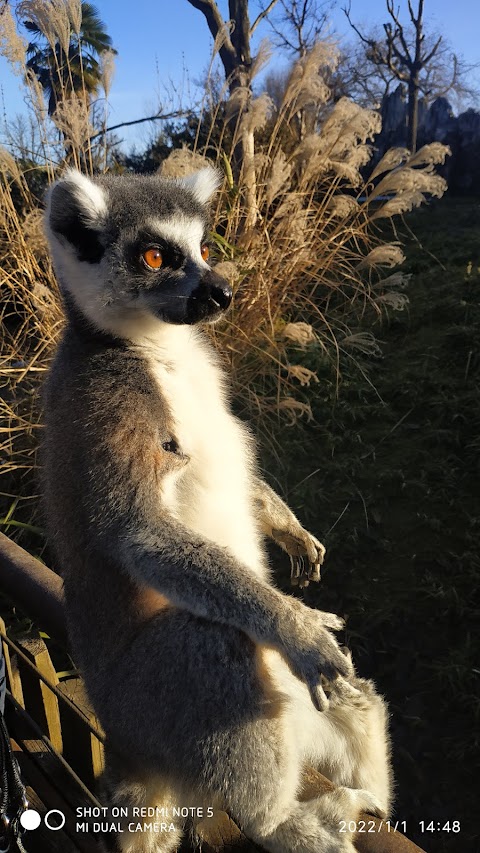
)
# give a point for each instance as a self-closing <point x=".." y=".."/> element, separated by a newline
<point x="305" y="551"/>
<point x="368" y="802"/>
<point x="341" y="692"/>
<point x="306" y="641"/>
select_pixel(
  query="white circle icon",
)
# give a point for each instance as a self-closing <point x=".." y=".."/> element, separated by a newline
<point x="30" y="819"/>
<point x="52" y="812"/>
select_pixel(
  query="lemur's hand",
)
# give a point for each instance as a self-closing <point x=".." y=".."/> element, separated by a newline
<point x="311" y="649"/>
<point x="305" y="551"/>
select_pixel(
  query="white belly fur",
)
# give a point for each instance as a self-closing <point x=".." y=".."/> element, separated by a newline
<point x="212" y="494"/>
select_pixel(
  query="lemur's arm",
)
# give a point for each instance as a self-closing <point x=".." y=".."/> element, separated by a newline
<point x="200" y="577"/>
<point x="130" y="525"/>
<point x="279" y="523"/>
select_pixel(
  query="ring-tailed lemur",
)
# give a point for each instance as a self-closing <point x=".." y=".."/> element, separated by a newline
<point x="206" y="679"/>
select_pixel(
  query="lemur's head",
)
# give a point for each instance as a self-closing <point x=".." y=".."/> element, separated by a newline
<point x="131" y="251"/>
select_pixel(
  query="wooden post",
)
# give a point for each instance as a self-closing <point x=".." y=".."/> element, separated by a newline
<point x="13" y="675"/>
<point x="39" y="701"/>
<point x="82" y="750"/>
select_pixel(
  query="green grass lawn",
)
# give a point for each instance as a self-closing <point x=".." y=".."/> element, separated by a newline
<point x="396" y="498"/>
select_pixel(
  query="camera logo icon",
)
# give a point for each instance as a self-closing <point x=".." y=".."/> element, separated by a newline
<point x="54" y="819"/>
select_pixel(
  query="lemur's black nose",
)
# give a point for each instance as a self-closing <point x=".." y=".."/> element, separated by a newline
<point x="222" y="295"/>
<point x="217" y="290"/>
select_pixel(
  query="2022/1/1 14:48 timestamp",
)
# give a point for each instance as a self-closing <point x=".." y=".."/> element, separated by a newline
<point x="439" y="826"/>
<point x="398" y="826"/>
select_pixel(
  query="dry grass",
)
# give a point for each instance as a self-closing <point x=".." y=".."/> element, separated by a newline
<point x="307" y="254"/>
<point x="30" y="317"/>
<point x="294" y="230"/>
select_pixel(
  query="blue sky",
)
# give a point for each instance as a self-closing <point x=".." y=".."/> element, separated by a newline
<point x="167" y="42"/>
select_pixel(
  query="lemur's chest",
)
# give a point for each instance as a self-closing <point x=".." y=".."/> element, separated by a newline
<point x="204" y="428"/>
<point x="212" y="493"/>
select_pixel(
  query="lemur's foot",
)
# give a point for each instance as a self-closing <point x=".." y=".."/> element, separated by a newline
<point x="305" y="551"/>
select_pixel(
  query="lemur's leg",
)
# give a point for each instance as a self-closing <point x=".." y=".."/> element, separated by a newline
<point x="360" y="721"/>
<point x="230" y="718"/>
<point x="279" y="523"/>
<point x="123" y="788"/>
<point x="348" y="742"/>
<point x="278" y="745"/>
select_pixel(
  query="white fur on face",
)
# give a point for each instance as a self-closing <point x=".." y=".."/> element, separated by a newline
<point x="203" y="184"/>
<point x="186" y="232"/>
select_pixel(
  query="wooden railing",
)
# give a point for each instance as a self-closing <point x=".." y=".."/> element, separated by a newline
<point x="58" y="740"/>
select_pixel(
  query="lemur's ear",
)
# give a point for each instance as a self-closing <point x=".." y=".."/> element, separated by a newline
<point x="203" y="184"/>
<point x="76" y="210"/>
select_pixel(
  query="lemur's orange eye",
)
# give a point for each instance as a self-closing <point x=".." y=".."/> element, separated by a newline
<point x="205" y="252"/>
<point x="153" y="258"/>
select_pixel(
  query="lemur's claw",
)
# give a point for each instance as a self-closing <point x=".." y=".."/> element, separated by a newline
<point x="294" y="570"/>
<point x="305" y="551"/>
<point x="302" y="574"/>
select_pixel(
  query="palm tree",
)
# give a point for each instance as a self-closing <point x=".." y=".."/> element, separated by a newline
<point x="77" y="69"/>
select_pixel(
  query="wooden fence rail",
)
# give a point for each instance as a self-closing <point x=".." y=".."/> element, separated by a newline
<point x="57" y="737"/>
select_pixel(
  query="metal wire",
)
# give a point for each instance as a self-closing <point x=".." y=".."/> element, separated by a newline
<point x="41" y="736"/>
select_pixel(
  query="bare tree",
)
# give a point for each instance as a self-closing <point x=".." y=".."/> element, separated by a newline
<point x="406" y="54"/>
<point x="299" y="24"/>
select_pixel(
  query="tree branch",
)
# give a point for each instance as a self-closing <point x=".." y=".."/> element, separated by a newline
<point x="217" y="25"/>
<point x="261" y="16"/>
<point x="440" y="93"/>
<point x="212" y="14"/>
<point x="388" y="58"/>
<point x="432" y="52"/>
<point x="157" y="117"/>
<point x="416" y="20"/>
<point x="283" y="40"/>
<point x="393" y="15"/>
<point x="392" y="47"/>
<point x="399" y="33"/>
<point x="365" y="40"/>
<point x="454" y="79"/>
